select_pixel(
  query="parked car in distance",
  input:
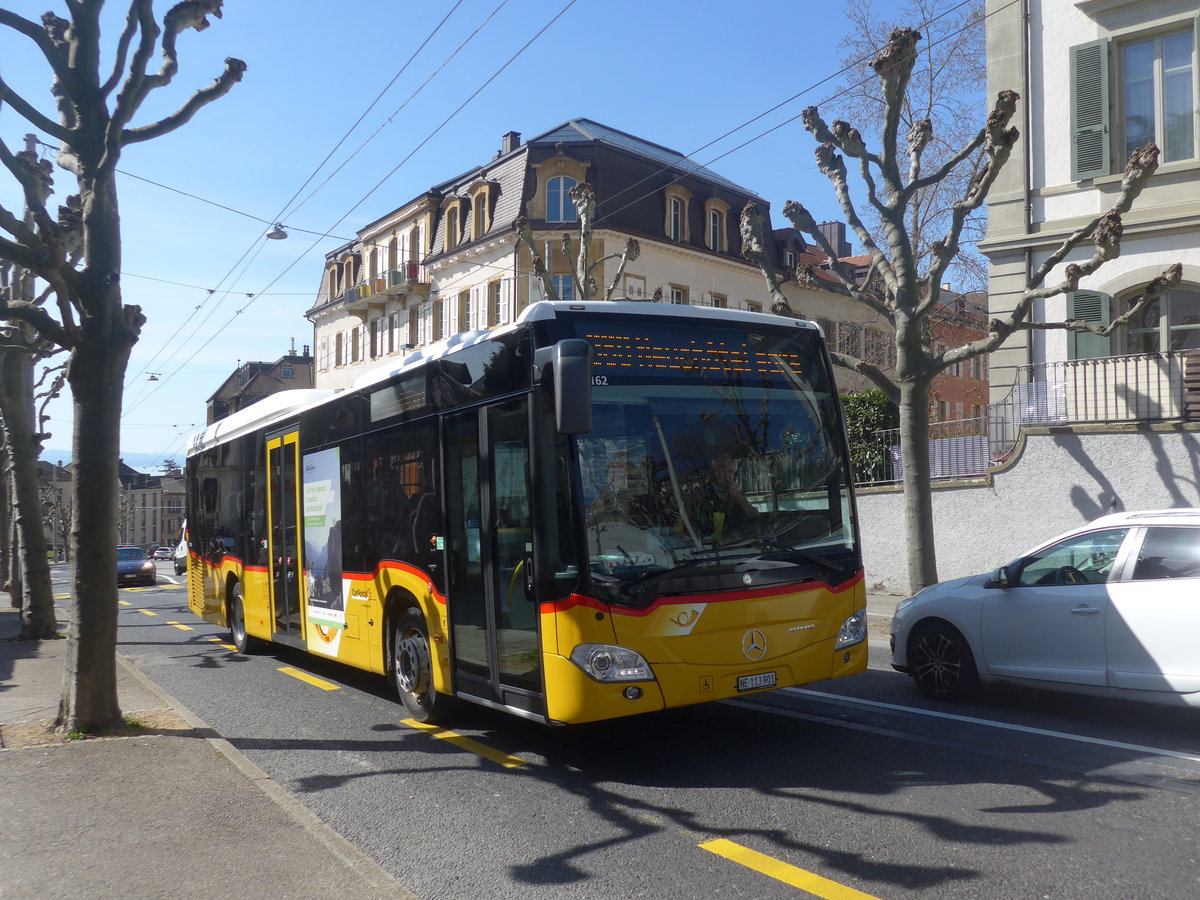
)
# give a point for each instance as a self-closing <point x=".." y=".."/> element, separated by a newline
<point x="1109" y="609"/>
<point x="134" y="566"/>
<point x="163" y="553"/>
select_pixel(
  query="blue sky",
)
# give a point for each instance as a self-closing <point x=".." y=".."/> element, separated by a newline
<point x="196" y="204"/>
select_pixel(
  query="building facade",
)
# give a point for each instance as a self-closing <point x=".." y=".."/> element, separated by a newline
<point x="450" y="261"/>
<point x="1126" y="70"/>
<point x="251" y="381"/>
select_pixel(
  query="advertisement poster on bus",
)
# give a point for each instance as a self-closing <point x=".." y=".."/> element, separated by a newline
<point x="323" y="550"/>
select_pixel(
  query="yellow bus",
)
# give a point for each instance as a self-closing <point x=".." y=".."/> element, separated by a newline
<point x="603" y="509"/>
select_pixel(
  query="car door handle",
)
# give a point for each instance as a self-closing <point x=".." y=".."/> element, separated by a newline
<point x="1084" y="611"/>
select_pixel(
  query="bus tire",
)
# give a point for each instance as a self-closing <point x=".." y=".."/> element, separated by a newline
<point x="237" y="621"/>
<point x="412" y="668"/>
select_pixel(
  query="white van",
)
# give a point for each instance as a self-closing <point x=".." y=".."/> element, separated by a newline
<point x="181" y="552"/>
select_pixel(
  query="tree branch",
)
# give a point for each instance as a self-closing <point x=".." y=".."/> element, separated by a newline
<point x="632" y="251"/>
<point x="877" y="375"/>
<point x="524" y="232"/>
<point x="122" y="54"/>
<point x="31" y="115"/>
<point x="756" y="249"/>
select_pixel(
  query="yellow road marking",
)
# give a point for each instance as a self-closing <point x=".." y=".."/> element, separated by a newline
<point x="509" y="762"/>
<point x="311" y="679"/>
<point x="147" y="612"/>
<point x="181" y="627"/>
<point x="781" y="871"/>
<point x="125" y="603"/>
<point x="223" y="644"/>
<point x="62" y="596"/>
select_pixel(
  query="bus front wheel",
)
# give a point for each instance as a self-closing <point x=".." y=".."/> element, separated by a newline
<point x="412" y="668"/>
<point x="237" y="621"/>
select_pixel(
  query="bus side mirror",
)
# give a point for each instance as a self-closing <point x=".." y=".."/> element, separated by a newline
<point x="572" y="367"/>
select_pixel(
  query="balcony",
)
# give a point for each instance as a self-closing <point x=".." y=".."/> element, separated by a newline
<point x="1151" y="387"/>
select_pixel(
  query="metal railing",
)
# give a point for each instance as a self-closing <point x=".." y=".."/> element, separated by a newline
<point x="1147" y="387"/>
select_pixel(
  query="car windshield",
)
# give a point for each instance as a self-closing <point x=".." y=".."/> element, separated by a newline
<point x="689" y="466"/>
<point x="130" y="553"/>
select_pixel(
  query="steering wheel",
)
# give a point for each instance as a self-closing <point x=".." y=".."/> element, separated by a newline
<point x="1071" y="575"/>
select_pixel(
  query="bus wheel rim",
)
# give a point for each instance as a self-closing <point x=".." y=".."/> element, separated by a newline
<point x="412" y="664"/>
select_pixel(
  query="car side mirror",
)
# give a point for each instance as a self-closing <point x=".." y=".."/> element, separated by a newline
<point x="1001" y="578"/>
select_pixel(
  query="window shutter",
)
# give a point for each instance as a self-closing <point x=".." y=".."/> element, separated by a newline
<point x="1089" y="110"/>
<point x="1094" y="307"/>
<point x="506" y="301"/>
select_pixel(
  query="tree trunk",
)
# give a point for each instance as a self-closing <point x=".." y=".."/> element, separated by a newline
<point x="89" y="697"/>
<point x="918" y="500"/>
<point x="16" y="402"/>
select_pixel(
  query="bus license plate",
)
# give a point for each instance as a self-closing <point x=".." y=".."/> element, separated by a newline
<point x="756" y="682"/>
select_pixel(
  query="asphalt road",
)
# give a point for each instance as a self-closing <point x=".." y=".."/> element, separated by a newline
<point x="852" y="786"/>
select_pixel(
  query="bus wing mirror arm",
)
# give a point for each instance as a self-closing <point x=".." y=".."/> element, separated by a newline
<point x="570" y="363"/>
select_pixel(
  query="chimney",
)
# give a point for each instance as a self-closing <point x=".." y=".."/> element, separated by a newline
<point x="510" y="142"/>
<point x="835" y="233"/>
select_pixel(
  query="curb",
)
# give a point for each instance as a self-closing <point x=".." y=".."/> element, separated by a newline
<point x="373" y="873"/>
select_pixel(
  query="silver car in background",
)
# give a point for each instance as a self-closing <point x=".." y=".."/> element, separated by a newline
<point x="1110" y="609"/>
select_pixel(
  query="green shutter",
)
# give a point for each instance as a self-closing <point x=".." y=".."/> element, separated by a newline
<point x="1089" y="110"/>
<point x="1094" y="307"/>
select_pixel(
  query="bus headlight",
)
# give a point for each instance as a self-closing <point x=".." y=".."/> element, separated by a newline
<point x="605" y="662"/>
<point x="853" y="630"/>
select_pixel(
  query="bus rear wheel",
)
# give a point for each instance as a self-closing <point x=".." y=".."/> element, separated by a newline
<point x="412" y="668"/>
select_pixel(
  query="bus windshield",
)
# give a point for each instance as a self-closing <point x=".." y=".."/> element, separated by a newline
<point x="713" y="452"/>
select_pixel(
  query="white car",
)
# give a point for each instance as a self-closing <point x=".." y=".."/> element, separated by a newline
<point x="1111" y="609"/>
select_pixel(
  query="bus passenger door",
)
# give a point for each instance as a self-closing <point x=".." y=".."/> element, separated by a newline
<point x="284" y="555"/>
<point x="493" y="621"/>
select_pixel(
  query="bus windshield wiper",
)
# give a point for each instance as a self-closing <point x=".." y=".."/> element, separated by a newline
<point x="648" y="579"/>
<point x="770" y="545"/>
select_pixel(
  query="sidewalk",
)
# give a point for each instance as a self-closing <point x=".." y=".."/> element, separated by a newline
<point x="178" y="813"/>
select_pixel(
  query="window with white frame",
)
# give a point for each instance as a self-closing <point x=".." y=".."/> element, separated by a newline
<point x="564" y="286"/>
<point x="493" y="304"/>
<point x="716" y="229"/>
<point x="464" y="310"/>
<point x="323" y="354"/>
<point x="635" y="287"/>
<point x="1170" y="323"/>
<point x="679" y="294"/>
<point x="559" y="206"/>
<point x="1131" y="91"/>
<point x="675" y="219"/>
<point x="1158" y="95"/>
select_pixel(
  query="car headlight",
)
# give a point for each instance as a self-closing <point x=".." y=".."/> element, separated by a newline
<point x="606" y="662"/>
<point x="148" y="565"/>
<point x="904" y="603"/>
<point x="853" y="630"/>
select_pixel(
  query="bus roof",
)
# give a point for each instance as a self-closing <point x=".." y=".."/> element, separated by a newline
<point x="272" y="406"/>
<point x="277" y="406"/>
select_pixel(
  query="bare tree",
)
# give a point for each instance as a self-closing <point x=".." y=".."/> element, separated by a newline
<point x="903" y="284"/>
<point x="583" y="267"/>
<point x="945" y="90"/>
<point x="95" y="107"/>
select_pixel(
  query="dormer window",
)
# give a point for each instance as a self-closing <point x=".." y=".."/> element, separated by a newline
<point x="676" y="226"/>
<point x="559" y="206"/>
<point x="451" y="228"/>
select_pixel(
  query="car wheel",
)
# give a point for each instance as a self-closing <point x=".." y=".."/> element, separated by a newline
<point x="237" y="621"/>
<point x="941" y="663"/>
<point x="180" y="568"/>
<point x="412" y="669"/>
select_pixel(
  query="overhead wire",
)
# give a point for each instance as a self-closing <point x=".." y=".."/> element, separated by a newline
<point x="755" y="138"/>
<point x="282" y="213"/>
<point x="371" y="192"/>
